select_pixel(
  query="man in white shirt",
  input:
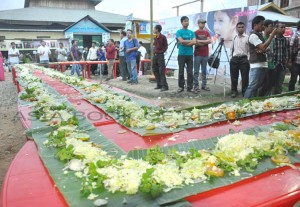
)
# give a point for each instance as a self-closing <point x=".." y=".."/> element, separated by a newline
<point x="142" y="51"/>
<point x="61" y="53"/>
<point x="43" y="52"/>
<point x="13" y="54"/>
<point x="239" y="62"/>
<point x="92" y="56"/>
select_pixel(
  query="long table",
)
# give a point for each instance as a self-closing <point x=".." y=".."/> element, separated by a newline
<point x="28" y="183"/>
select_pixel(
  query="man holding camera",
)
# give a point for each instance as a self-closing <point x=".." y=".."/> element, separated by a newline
<point x="239" y="60"/>
<point x="258" y="60"/>
<point x="295" y="58"/>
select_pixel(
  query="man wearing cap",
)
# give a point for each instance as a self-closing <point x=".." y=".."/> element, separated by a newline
<point x="201" y="55"/>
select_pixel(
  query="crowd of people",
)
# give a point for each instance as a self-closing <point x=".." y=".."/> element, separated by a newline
<point x="128" y="51"/>
<point x="261" y="59"/>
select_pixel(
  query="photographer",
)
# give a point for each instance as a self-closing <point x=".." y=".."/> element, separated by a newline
<point x="295" y="58"/>
<point x="258" y="60"/>
<point x="268" y="83"/>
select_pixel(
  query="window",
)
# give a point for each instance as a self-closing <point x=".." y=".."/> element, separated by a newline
<point x="284" y="3"/>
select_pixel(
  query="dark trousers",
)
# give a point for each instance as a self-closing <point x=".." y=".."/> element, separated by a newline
<point x="94" y="67"/>
<point x="295" y="71"/>
<point x="123" y="68"/>
<point x="268" y="84"/>
<point x="188" y="61"/>
<point x="159" y="70"/>
<point x="239" y="65"/>
<point x="280" y="70"/>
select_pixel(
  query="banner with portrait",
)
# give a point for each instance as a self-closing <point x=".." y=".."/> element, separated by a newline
<point x="220" y="24"/>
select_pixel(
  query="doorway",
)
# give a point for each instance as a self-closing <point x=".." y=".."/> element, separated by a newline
<point x="87" y="41"/>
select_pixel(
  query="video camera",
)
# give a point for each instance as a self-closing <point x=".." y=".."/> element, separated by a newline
<point x="221" y="40"/>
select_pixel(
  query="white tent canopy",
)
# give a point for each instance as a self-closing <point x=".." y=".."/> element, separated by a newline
<point x="276" y="16"/>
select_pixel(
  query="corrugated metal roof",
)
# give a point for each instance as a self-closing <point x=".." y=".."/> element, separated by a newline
<point x="19" y="27"/>
<point x="27" y="2"/>
<point x="46" y="14"/>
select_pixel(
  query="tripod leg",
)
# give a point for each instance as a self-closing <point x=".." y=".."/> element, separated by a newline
<point x="171" y="53"/>
<point x="218" y="55"/>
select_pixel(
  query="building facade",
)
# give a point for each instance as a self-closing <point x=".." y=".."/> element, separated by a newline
<point x="57" y="21"/>
<point x="291" y="7"/>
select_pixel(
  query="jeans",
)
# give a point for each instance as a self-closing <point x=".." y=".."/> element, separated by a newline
<point x="295" y="71"/>
<point x="200" y="60"/>
<point x="45" y="63"/>
<point x="131" y="66"/>
<point x="77" y="68"/>
<point x="188" y="61"/>
<point x="123" y="67"/>
<point x="159" y="69"/>
<point x="239" y="64"/>
<point x="256" y="79"/>
<point x="279" y="78"/>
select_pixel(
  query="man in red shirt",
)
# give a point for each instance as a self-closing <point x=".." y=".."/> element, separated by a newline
<point x="158" y="63"/>
<point x="201" y="55"/>
<point x="110" y="56"/>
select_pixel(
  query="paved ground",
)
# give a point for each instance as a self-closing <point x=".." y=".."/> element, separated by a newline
<point x="172" y="98"/>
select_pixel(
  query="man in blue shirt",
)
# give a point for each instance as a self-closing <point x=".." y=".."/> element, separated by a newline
<point x="185" y="39"/>
<point x="131" y="46"/>
<point x="75" y="57"/>
<point x="122" y="63"/>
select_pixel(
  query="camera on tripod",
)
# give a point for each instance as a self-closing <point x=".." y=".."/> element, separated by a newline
<point x="221" y="40"/>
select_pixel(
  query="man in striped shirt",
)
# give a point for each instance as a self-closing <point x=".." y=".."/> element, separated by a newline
<point x="281" y="57"/>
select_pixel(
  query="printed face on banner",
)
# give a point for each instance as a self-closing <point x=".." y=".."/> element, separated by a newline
<point x="220" y="24"/>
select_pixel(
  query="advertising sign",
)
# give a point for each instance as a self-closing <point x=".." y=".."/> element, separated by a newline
<point x="144" y="28"/>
